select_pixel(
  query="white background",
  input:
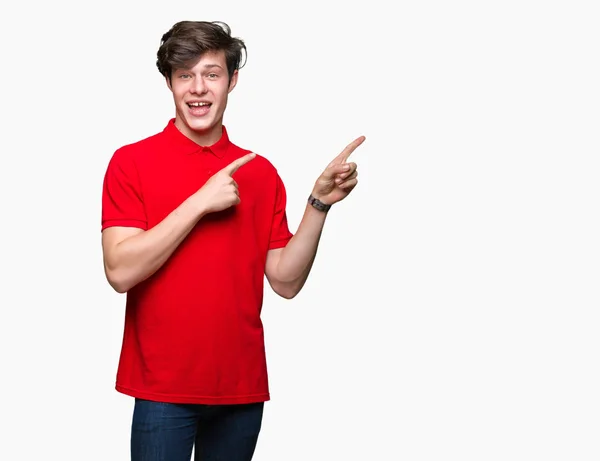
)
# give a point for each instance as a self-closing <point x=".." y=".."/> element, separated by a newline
<point x="452" y="313"/>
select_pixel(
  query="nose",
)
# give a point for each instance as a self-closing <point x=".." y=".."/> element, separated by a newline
<point x="199" y="86"/>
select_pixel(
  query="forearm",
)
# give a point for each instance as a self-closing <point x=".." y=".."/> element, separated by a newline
<point x="297" y="257"/>
<point x="138" y="257"/>
<point x="288" y="269"/>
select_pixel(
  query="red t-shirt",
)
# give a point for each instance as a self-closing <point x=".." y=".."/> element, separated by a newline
<point x="193" y="332"/>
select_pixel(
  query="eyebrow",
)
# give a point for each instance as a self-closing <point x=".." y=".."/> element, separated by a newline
<point x="205" y="66"/>
<point x="210" y="66"/>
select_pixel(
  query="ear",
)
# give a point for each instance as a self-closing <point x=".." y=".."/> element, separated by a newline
<point x="168" y="81"/>
<point x="233" y="82"/>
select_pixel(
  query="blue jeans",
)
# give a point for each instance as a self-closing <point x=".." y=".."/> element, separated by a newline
<point x="168" y="431"/>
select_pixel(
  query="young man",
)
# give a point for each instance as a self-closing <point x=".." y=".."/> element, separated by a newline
<point x="191" y="225"/>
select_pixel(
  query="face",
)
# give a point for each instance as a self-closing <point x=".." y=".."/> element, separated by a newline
<point x="200" y="96"/>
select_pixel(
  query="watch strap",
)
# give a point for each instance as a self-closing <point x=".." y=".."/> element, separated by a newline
<point x="316" y="203"/>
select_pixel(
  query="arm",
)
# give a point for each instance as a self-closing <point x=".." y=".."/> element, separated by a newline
<point x="131" y="255"/>
<point x="288" y="268"/>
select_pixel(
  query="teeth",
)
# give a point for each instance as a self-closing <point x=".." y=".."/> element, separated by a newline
<point x="199" y="104"/>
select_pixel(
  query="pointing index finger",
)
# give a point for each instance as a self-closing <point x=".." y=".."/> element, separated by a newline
<point x="238" y="163"/>
<point x="343" y="156"/>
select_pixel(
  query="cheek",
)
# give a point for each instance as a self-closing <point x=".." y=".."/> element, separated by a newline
<point x="178" y="91"/>
<point x="223" y="100"/>
<point x="222" y="91"/>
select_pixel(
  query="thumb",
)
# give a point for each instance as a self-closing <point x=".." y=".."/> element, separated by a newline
<point x="238" y="163"/>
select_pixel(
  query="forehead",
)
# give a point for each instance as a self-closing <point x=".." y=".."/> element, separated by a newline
<point x="209" y="59"/>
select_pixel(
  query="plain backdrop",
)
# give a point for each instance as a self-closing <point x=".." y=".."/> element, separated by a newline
<point x="453" y="310"/>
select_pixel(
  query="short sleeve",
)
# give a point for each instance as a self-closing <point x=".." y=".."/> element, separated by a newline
<point x="122" y="203"/>
<point x="280" y="233"/>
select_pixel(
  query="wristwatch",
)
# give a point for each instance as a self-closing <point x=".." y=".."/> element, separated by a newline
<point x="316" y="203"/>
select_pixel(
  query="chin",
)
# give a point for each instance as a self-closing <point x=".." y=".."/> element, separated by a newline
<point x="200" y="126"/>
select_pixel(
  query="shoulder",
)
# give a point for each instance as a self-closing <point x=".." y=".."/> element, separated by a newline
<point x="264" y="172"/>
<point x="131" y="153"/>
<point x="149" y="143"/>
<point x="260" y="163"/>
<point x="264" y="164"/>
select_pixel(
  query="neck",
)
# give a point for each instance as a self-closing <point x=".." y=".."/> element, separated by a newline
<point x="206" y="137"/>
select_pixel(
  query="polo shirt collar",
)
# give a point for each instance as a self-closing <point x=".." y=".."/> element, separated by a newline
<point x="185" y="145"/>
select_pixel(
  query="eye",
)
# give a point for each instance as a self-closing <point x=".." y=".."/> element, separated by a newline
<point x="212" y="75"/>
<point x="184" y="76"/>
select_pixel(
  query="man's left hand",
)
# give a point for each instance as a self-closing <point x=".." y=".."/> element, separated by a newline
<point x="339" y="178"/>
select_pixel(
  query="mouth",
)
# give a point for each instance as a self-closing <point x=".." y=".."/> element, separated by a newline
<point x="199" y="108"/>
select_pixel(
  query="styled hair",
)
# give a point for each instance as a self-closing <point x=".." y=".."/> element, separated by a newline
<point x="183" y="45"/>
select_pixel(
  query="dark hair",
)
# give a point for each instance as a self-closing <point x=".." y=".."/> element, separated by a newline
<point x="183" y="45"/>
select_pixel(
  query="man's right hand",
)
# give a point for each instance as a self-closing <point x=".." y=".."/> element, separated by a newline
<point x="221" y="191"/>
